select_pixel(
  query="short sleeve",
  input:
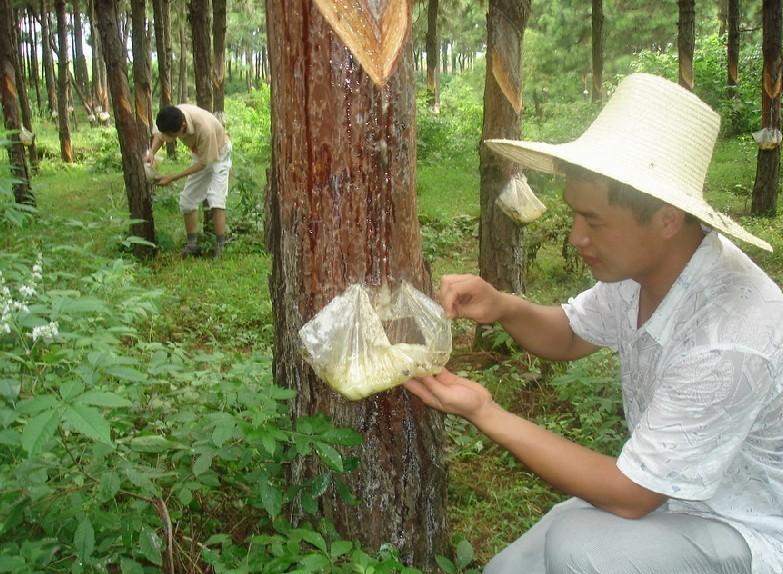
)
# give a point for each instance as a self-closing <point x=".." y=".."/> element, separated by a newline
<point x="697" y="421"/>
<point x="593" y="315"/>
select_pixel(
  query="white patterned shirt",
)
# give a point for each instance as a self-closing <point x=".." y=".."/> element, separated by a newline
<point x="702" y="384"/>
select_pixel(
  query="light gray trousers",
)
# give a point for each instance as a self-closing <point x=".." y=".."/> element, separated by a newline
<point x="577" y="538"/>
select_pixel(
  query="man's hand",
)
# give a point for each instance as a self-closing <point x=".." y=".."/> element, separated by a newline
<point x="451" y="394"/>
<point x="149" y="157"/>
<point x="471" y="297"/>
<point x="164" y="180"/>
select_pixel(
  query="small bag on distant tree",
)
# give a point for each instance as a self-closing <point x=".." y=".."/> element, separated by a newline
<point x="519" y="202"/>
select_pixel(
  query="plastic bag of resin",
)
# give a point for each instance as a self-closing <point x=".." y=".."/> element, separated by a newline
<point x="370" y="339"/>
<point x="519" y="202"/>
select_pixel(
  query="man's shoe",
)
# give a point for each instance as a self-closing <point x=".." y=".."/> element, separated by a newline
<point x="217" y="252"/>
<point x="191" y="250"/>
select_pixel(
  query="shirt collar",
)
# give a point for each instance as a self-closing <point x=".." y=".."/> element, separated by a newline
<point x="660" y="325"/>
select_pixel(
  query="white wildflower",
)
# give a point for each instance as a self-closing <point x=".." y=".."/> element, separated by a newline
<point x="46" y="333"/>
<point x="20" y="307"/>
<point x="27" y="291"/>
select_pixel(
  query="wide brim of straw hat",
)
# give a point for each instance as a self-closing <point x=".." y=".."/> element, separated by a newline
<point x="652" y="135"/>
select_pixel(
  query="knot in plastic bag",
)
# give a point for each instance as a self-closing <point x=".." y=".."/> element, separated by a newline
<point x="370" y="339"/>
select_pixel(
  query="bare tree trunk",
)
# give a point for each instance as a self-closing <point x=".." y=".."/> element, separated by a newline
<point x="21" y="87"/>
<point x="433" y="81"/>
<point x="182" y="87"/>
<point x="100" y="90"/>
<point x="162" y="42"/>
<point x="219" y="56"/>
<point x="63" y="91"/>
<point x="46" y="54"/>
<point x="79" y="60"/>
<point x="132" y="142"/>
<point x="142" y="85"/>
<point x="202" y="52"/>
<point x="501" y="256"/>
<point x="766" y="186"/>
<point x="598" y="49"/>
<point x="8" y="95"/>
<point x="733" y="47"/>
<point x="336" y="217"/>
<point x="34" y="69"/>
<point x="686" y="33"/>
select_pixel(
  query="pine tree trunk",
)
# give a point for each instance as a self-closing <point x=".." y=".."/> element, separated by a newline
<point x="8" y="95"/>
<point x="132" y="142"/>
<point x="337" y="217"/>
<point x="766" y="186"/>
<point x="21" y="87"/>
<point x="501" y="256"/>
<point x="142" y="85"/>
<point x="100" y="90"/>
<point x="161" y="10"/>
<point x="79" y="60"/>
<point x="219" y="56"/>
<point x="34" y="69"/>
<point x="733" y="47"/>
<point x="202" y="52"/>
<point x="686" y="34"/>
<point x="63" y="87"/>
<point x="46" y="55"/>
<point x="182" y="84"/>
<point x="598" y="49"/>
<point x="433" y="81"/>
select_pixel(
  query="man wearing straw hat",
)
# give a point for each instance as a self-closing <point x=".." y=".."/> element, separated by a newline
<point x="698" y="486"/>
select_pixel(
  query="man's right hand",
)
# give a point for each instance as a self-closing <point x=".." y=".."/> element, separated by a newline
<point x="471" y="297"/>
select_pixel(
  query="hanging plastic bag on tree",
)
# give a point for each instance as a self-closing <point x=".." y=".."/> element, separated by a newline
<point x="370" y="339"/>
<point x="519" y="202"/>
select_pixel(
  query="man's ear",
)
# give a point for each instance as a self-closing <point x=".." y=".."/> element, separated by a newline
<point x="669" y="220"/>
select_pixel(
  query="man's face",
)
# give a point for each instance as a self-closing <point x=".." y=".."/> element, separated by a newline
<point x="607" y="237"/>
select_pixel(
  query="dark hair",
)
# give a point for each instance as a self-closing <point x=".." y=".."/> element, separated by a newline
<point x="642" y="205"/>
<point x="170" y="120"/>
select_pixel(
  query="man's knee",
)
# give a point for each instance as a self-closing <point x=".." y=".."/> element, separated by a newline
<point x="574" y="543"/>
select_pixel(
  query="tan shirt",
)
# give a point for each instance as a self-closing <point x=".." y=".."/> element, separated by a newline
<point x="205" y="135"/>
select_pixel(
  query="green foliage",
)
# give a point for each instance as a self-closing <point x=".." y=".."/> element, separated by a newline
<point x="439" y="237"/>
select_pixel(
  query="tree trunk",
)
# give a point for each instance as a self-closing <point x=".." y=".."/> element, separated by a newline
<point x="100" y="91"/>
<point x="433" y="81"/>
<point x="24" y="100"/>
<point x="142" y="85"/>
<point x="219" y="57"/>
<point x="500" y="239"/>
<point x="202" y="52"/>
<point x="765" y="188"/>
<point x="686" y="33"/>
<point x="46" y="55"/>
<point x="132" y="143"/>
<point x="337" y="217"/>
<point x="34" y="69"/>
<point x="733" y="46"/>
<point x="182" y="84"/>
<point x="79" y="60"/>
<point x="598" y="49"/>
<point x="16" y="156"/>
<point x="63" y="88"/>
<point x="161" y="11"/>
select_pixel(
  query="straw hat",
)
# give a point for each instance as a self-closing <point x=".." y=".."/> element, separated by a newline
<point x="653" y="135"/>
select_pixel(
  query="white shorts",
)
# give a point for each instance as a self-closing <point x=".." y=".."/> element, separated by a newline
<point x="211" y="183"/>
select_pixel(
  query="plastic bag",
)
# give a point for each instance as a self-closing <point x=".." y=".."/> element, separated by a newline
<point x="768" y="138"/>
<point x="370" y="339"/>
<point x="26" y="136"/>
<point x="519" y="202"/>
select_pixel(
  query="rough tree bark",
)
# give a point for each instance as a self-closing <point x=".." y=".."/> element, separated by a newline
<point x="63" y="87"/>
<point x="598" y="50"/>
<point x="99" y="89"/>
<point x="686" y="34"/>
<point x="219" y="57"/>
<point x="142" y="85"/>
<point x="46" y="56"/>
<point x="34" y="68"/>
<point x="732" y="46"/>
<point x="161" y="10"/>
<point x="342" y="206"/>
<point x="16" y="155"/>
<point x="79" y="60"/>
<point x="132" y="144"/>
<point x="21" y="86"/>
<point x="182" y="83"/>
<point x="202" y="52"/>
<point x="765" y="188"/>
<point x="433" y="80"/>
<point x="501" y="256"/>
